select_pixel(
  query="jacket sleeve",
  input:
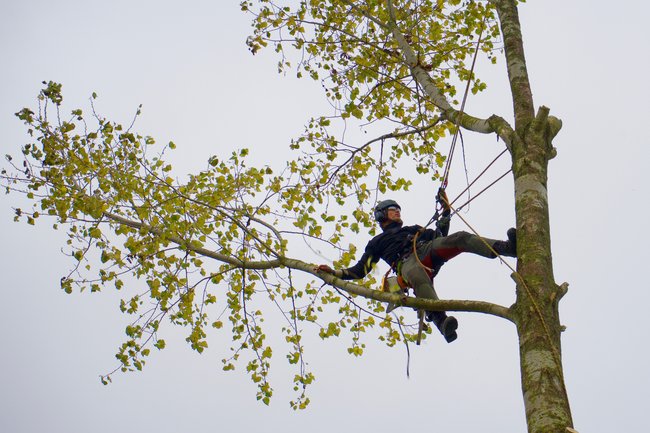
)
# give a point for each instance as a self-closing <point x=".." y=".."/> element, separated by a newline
<point x="360" y="270"/>
<point x="442" y="225"/>
<point x="428" y="235"/>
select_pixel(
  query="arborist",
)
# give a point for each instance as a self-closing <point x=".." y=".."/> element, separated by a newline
<point x="434" y="247"/>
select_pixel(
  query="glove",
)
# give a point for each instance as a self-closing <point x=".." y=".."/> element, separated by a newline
<point x="444" y="201"/>
<point x="443" y="223"/>
<point x="324" y="268"/>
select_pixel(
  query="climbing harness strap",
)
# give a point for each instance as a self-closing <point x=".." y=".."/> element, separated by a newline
<point x="394" y="284"/>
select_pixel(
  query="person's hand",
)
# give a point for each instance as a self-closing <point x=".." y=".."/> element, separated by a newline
<point x="324" y="268"/>
<point x="443" y="199"/>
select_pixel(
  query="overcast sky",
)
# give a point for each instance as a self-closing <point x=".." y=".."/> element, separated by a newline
<point x="188" y="65"/>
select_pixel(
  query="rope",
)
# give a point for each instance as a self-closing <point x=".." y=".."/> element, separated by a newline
<point x="479" y="176"/>
<point x="480" y="192"/>
<point x="445" y="176"/>
<point x="406" y="343"/>
<point x="538" y="311"/>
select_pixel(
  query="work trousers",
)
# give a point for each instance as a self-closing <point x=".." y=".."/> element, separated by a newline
<point x="434" y="253"/>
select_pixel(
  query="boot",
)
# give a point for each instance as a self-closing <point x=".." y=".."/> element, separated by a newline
<point x="507" y="248"/>
<point x="446" y="324"/>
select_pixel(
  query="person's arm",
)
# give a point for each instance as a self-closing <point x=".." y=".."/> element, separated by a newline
<point x="356" y="272"/>
<point x="442" y="225"/>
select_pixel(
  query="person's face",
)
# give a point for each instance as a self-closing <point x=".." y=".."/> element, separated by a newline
<point x="393" y="214"/>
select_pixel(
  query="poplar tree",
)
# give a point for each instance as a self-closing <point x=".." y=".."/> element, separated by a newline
<point x="224" y="238"/>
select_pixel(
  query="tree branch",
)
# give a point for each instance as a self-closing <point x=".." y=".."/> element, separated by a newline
<point x="503" y="129"/>
<point x="380" y="138"/>
<point x="468" y="122"/>
<point x="352" y="288"/>
<point x="199" y="250"/>
<point x="406" y="301"/>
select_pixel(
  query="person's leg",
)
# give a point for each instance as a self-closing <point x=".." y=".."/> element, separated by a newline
<point x="419" y="279"/>
<point x="447" y="247"/>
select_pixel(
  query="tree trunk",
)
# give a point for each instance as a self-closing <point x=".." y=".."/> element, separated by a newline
<point x="536" y="309"/>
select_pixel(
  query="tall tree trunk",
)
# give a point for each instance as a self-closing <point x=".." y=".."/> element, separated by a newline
<point x="536" y="308"/>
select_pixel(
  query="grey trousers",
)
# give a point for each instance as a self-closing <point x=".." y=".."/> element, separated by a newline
<point x="436" y="252"/>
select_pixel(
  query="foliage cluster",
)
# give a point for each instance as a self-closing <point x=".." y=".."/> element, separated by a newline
<point x="181" y="251"/>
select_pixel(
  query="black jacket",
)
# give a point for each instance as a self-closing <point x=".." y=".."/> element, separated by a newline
<point x="391" y="245"/>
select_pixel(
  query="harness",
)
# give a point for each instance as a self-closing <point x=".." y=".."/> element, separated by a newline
<point x="397" y="283"/>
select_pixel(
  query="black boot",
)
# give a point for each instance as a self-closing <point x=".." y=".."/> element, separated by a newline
<point x="507" y="248"/>
<point x="446" y="324"/>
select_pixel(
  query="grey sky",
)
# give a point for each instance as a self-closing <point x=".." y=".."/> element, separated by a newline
<point x="200" y="87"/>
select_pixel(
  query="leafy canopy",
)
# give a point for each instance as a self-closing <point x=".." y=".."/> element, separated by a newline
<point x="218" y="243"/>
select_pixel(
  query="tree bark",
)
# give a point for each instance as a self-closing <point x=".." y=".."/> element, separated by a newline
<point x="522" y="96"/>
<point x="536" y="308"/>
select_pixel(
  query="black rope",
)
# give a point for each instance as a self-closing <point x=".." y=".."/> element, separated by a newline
<point x="459" y="116"/>
<point x="481" y="192"/>
<point x="478" y="177"/>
